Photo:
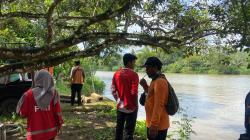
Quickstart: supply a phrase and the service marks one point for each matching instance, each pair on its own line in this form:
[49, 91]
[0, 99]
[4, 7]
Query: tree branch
[105, 16]
[22, 15]
[24, 66]
[49, 21]
[36, 53]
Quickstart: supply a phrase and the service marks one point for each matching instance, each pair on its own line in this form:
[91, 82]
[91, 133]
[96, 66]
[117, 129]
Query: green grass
[63, 88]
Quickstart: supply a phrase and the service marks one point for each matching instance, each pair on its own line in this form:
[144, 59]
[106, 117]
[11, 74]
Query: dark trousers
[130, 119]
[76, 88]
[162, 134]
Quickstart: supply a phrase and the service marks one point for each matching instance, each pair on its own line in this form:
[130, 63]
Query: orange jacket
[77, 75]
[156, 114]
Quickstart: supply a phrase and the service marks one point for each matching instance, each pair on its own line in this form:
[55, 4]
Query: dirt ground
[91, 121]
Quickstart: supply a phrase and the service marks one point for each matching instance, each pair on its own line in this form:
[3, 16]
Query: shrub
[93, 84]
[88, 87]
[231, 70]
[141, 129]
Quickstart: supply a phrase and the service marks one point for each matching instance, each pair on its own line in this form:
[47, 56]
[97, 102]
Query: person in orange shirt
[77, 77]
[157, 118]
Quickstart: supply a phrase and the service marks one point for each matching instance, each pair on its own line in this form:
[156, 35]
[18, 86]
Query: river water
[214, 102]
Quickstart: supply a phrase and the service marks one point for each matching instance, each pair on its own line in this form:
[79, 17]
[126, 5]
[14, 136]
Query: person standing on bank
[125, 91]
[77, 77]
[157, 118]
[41, 106]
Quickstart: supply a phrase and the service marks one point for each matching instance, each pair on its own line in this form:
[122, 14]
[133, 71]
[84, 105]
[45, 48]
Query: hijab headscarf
[44, 88]
[43, 91]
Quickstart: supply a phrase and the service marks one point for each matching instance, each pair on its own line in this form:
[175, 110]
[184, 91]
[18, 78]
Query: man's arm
[135, 82]
[144, 85]
[113, 88]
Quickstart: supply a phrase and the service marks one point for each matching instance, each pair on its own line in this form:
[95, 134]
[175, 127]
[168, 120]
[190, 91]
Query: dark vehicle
[11, 92]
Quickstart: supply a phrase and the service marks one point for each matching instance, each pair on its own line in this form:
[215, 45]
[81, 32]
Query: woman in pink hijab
[41, 106]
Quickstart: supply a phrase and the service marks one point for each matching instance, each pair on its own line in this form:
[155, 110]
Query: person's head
[44, 89]
[153, 66]
[77, 62]
[43, 79]
[129, 60]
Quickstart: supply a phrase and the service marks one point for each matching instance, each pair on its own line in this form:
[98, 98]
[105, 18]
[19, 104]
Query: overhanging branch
[49, 21]
[52, 60]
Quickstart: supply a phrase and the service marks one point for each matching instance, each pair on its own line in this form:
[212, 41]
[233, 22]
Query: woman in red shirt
[41, 106]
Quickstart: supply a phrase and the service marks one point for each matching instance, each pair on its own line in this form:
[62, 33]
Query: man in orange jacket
[157, 118]
[77, 77]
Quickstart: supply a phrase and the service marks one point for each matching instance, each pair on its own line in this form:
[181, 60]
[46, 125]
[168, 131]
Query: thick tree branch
[36, 53]
[49, 21]
[52, 60]
[22, 15]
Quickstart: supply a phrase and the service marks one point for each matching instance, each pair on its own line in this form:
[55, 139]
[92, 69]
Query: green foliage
[175, 67]
[215, 61]
[93, 84]
[110, 62]
[183, 127]
[231, 70]
[10, 118]
[63, 87]
[104, 134]
[109, 113]
[141, 129]
[205, 60]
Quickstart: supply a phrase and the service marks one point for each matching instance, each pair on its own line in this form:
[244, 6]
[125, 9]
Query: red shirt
[41, 124]
[125, 87]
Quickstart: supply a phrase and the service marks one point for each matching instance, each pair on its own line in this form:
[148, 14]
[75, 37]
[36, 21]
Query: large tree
[41, 33]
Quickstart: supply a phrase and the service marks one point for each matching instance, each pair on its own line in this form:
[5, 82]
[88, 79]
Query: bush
[93, 84]
[175, 68]
[115, 68]
[244, 71]
[186, 70]
[63, 87]
[213, 71]
[141, 129]
[184, 127]
[98, 87]
[231, 70]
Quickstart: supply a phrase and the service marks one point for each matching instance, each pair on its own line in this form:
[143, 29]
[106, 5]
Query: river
[214, 102]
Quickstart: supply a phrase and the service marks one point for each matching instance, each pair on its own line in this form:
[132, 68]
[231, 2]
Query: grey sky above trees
[39, 33]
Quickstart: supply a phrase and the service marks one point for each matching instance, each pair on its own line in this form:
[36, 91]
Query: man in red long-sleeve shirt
[125, 91]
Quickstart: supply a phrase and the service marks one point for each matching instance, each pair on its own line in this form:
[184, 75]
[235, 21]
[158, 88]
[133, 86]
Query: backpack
[172, 105]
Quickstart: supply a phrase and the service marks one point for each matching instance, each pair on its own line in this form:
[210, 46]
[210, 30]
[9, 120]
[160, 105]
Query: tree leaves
[53, 28]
